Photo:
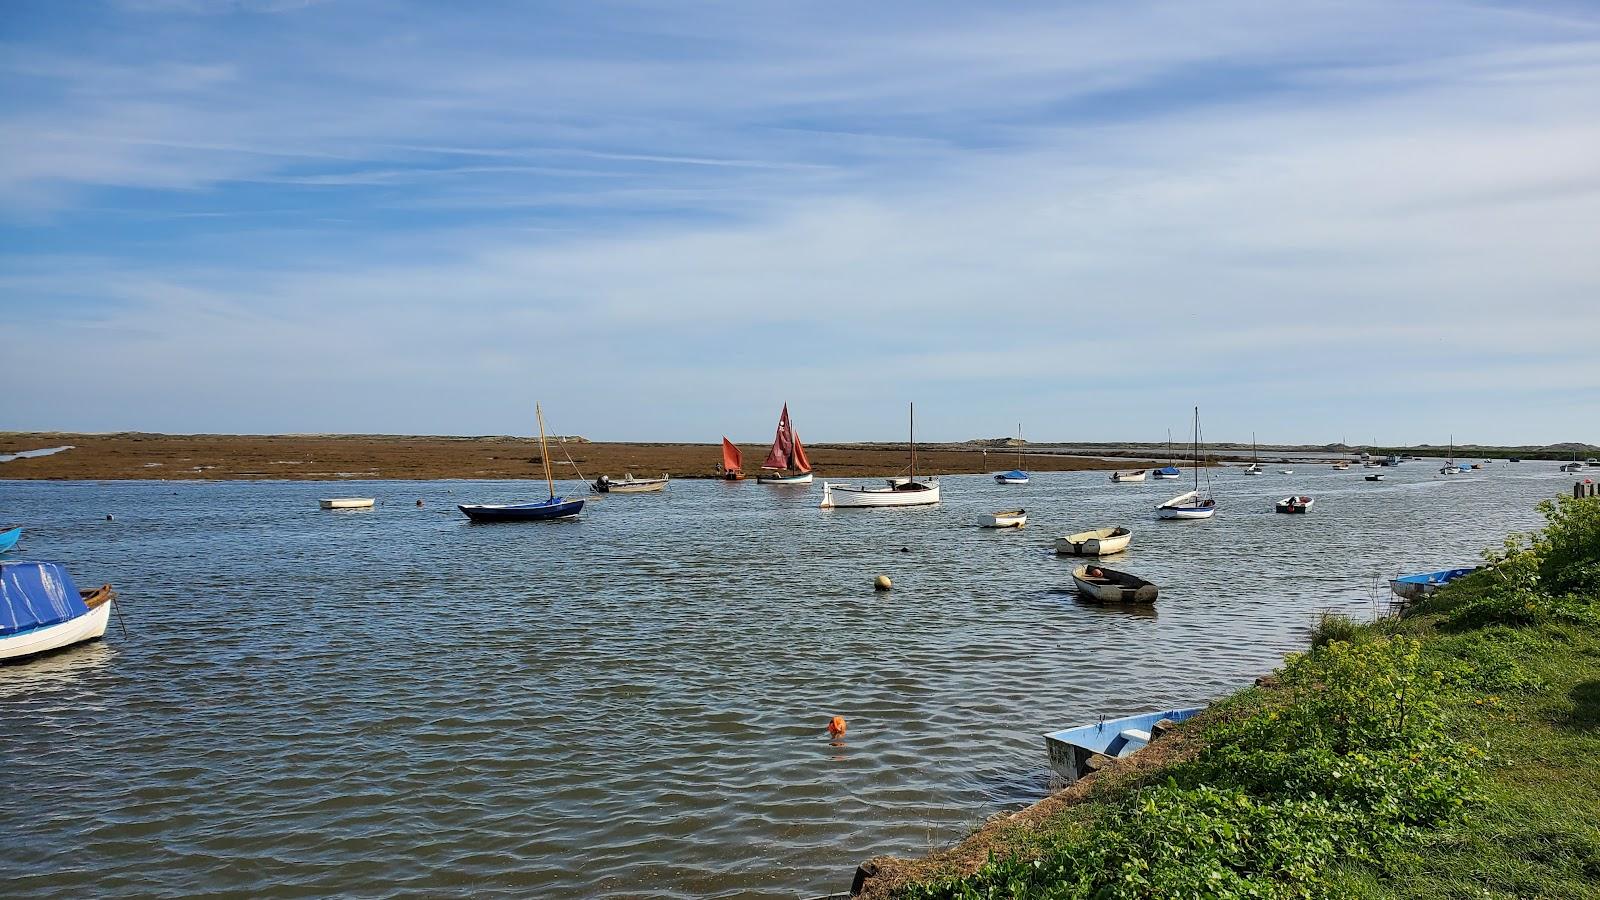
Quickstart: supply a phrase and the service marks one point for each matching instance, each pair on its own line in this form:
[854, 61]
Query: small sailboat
[9, 535]
[346, 503]
[1255, 464]
[1294, 505]
[787, 460]
[628, 484]
[42, 610]
[1126, 475]
[553, 508]
[1017, 475]
[732, 467]
[1007, 518]
[1110, 586]
[1169, 471]
[1097, 542]
[904, 491]
[1450, 467]
[1192, 504]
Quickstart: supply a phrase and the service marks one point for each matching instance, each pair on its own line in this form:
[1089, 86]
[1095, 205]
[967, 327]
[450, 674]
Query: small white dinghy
[628, 484]
[1299, 504]
[1006, 518]
[1120, 476]
[1098, 542]
[42, 610]
[1109, 586]
[346, 503]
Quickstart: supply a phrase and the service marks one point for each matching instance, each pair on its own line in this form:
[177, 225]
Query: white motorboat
[902, 491]
[1098, 542]
[1126, 475]
[346, 503]
[1006, 518]
[628, 484]
[42, 610]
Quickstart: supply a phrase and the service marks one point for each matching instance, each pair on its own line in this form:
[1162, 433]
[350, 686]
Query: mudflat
[338, 457]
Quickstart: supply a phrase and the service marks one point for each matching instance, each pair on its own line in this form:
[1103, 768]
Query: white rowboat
[1099, 542]
[631, 485]
[346, 503]
[1130, 475]
[1008, 518]
[801, 478]
[1108, 586]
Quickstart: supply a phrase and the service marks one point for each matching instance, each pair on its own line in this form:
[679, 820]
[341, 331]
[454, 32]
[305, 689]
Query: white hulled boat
[1192, 504]
[904, 491]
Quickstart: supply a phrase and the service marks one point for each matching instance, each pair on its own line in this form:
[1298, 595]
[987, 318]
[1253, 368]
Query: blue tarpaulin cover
[33, 595]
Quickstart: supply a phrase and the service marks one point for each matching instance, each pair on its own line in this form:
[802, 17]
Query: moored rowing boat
[1096, 542]
[1110, 586]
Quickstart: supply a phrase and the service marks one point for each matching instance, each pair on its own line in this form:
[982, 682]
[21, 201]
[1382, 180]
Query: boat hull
[9, 537]
[1165, 476]
[1113, 587]
[1013, 477]
[87, 627]
[1071, 749]
[1011, 518]
[522, 512]
[346, 503]
[631, 485]
[1099, 542]
[802, 478]
[1125, 477]
[836, 496]
[1424, 585]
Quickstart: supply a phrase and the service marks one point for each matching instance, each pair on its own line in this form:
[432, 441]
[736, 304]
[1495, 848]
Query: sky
[1367, 221]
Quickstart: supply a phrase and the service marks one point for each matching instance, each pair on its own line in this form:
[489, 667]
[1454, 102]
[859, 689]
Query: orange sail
[732, 461]
[786, 450]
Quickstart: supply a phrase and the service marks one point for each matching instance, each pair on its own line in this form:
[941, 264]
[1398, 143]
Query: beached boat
[9, 535]
[1169, 471]
[1096, 542]
[1110, 586]
[732, 466]
[1376, 476]
[1294, 505]
[346, 503]
[628, 484]
[1006, 518]
[41, 609]
[902, 491]
[1017, 475]
[1423, 584]
[786, 462]
[1192, 504]
[1125, 475]
[539, 511]
[1075, 752]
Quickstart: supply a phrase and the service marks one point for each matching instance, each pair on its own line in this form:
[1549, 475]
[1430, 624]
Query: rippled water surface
[394, 701]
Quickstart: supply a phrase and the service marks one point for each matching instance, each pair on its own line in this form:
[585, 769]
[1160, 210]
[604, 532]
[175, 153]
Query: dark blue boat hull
[558, 508]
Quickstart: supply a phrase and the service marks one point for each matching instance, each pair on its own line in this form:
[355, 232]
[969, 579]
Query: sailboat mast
[1197, 449]
[544, 451]
[1019, 446]
[913, 442]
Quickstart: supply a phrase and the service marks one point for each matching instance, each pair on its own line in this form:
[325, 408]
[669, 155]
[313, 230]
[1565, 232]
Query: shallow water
[394, 700]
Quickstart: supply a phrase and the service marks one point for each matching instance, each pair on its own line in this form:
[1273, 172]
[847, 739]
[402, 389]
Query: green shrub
[1334, 627]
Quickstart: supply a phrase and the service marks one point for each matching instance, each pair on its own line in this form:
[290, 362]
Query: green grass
[1453, 753]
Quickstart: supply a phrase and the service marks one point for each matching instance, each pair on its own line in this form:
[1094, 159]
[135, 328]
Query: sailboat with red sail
[787, 461]
[732, 468]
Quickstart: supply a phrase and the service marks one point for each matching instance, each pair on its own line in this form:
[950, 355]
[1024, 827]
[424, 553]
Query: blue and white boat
[41, 609]
[537, 511]
[1169, 471]
[1015, 476]
[1424, 584]
[1072, 749]
[9, 535]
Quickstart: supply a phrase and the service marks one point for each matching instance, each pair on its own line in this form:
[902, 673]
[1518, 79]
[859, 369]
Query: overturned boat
[41, 609]
[1096, 542]
[1075, 752]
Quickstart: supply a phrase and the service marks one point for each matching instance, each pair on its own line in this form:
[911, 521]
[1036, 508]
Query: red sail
[731, 460]
[786, 450]
[797, 456]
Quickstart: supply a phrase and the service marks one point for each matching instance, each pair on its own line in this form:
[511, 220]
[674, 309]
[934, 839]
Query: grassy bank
[1453, 752]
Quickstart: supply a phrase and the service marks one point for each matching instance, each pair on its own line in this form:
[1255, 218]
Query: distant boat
[1098, 542]
[1376, 476]
[1007, 518]
[786, 461]
[1074, 752]
[1286, 471]
[543, 510]
[9, 535]
[1017, 475]
[1341, 465]
[1192, 504]
[1391, 460]
[1425, 584]
[1170, 470]
[1294, 505]
[732, 467]
[1572, 467]
[1514, 459]
[1109, 586]
[1255, 464]
[346, 503]
[904, 491]
[41, 609]
[1450, 467]
[628, 484]
[1126, 475]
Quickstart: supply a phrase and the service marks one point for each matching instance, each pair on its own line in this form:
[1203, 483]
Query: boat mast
[544, 451]
[913, 443]
[1197, 449]
[1019, 446]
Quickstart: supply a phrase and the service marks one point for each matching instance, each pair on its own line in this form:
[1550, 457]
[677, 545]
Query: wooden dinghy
[346, 502]
[42, 610]
[1103, 585]
[1294, 505]
[1097, 542]
[628, 484]
[1127, 475]
[1007, 518]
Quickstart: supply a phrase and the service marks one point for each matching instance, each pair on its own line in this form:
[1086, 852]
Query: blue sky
[1371, 220]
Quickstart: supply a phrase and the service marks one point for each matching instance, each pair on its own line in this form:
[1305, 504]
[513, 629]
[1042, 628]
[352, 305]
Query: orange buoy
[836, 727]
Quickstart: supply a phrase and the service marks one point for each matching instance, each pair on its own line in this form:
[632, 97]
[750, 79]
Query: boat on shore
[1128, 475]
[1075, 752]
[628, 484]
[1293, 505]
[732, 466]
[1425, 584]
[9, 535]
[901, 491]
[1095, 542]
[1102, 585]
[536, 511]
[786, 461]
[346, 503]
[1017, 475]
[1007, 518]
[41, 609]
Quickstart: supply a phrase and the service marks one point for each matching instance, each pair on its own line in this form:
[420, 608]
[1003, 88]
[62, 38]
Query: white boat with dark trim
[1017, 475]
[1192, 504]
[628, 484]
[902, 491]
[1170, 471]
[41, 609]
[1006, 518]
[1110, 586]
[346, 502]
[1301, 504]
[1097, 542]
[1125, 475]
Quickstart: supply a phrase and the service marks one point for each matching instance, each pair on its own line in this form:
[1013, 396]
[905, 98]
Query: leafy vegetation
[1455, 753]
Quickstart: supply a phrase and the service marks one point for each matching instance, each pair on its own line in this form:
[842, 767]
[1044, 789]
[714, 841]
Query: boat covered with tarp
[41, 609]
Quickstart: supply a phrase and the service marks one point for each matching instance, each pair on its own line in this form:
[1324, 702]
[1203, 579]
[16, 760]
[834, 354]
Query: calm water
[395, 701]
